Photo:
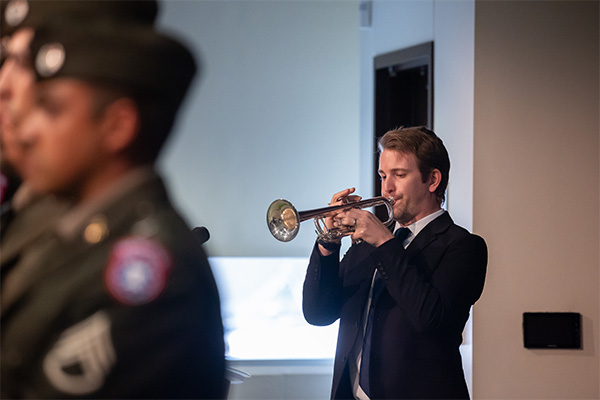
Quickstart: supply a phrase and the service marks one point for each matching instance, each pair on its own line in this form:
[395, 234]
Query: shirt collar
[418, 226]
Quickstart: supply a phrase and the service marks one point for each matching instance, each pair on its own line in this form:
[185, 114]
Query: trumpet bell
[283, 220]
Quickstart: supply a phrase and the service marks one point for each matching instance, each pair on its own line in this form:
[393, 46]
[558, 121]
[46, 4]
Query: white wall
[453, 113]
[536, 193]
[275, 115]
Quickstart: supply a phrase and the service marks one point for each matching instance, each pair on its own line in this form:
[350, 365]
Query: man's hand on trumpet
[340, 198]
[367, 227]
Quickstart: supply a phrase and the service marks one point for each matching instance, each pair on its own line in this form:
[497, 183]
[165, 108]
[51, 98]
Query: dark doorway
[403, 95]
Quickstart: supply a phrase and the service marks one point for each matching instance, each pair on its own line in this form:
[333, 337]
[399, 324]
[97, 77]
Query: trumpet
[284, 220]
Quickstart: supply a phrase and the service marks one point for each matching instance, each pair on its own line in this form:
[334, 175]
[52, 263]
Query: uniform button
[97, 230]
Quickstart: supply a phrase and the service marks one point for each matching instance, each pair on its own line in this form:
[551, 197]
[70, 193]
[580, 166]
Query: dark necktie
[378, 286]
[402, 233]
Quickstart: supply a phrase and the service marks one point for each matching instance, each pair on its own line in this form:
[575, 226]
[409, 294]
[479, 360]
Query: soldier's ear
[120, 124]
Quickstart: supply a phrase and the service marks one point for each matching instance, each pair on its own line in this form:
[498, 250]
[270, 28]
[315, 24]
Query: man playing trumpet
[402, 298]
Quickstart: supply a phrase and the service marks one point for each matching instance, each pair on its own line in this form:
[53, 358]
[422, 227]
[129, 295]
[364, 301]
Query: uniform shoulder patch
[137, 270]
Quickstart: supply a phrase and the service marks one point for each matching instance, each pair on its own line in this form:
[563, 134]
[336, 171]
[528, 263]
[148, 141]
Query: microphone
[201, 234]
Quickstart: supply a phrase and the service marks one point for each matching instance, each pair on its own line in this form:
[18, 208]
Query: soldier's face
[63, 139]
[17, 80]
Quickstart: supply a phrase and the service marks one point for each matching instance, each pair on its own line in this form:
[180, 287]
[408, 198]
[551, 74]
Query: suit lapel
[428, 235]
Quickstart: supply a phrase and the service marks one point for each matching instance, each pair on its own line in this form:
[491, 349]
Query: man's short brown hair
[427, 147]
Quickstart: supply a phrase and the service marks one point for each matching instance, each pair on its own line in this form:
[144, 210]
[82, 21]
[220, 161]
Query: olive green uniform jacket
[118, 301]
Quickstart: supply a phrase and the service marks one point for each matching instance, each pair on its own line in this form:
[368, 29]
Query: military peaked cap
[133, 59]
[17, 14]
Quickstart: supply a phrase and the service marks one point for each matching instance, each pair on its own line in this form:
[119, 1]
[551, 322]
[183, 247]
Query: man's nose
[387, 187]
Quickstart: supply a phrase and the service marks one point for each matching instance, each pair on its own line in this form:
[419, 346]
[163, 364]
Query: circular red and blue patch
[137, 270]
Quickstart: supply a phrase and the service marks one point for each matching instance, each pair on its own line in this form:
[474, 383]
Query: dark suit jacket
[419, 317]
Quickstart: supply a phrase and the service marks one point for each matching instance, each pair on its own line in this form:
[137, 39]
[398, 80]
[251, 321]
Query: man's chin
[403, 218]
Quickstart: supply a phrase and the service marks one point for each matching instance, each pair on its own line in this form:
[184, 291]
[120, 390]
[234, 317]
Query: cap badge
[16, 12]
[137, 270]
[50, 59]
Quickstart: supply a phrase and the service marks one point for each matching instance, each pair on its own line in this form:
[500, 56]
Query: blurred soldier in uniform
[24, 214]
[118, 299]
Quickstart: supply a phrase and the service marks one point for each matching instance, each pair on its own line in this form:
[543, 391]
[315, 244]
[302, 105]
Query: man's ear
[121, 124]
[435, 178]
